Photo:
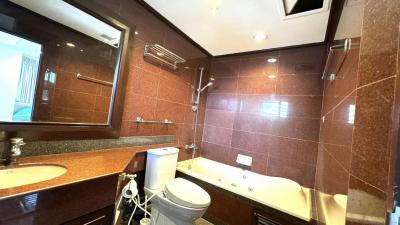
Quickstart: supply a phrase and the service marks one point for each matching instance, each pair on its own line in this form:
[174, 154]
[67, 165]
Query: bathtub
[279, 193]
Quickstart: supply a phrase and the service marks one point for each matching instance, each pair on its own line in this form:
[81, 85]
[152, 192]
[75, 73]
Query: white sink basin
[29, 174]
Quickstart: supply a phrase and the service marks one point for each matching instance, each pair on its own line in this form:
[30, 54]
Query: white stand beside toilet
[177, 201]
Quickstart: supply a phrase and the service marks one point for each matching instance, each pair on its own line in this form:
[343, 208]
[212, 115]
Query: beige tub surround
[279, 193]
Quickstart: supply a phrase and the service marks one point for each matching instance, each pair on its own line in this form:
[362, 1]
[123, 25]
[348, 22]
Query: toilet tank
[160, 167]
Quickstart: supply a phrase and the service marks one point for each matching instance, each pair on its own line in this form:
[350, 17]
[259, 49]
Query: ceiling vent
[293, 7]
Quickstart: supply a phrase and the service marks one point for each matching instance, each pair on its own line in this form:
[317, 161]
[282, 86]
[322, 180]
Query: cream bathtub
[278, 193]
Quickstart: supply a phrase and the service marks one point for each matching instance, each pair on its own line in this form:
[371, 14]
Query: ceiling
[70, 16]
[221, 27]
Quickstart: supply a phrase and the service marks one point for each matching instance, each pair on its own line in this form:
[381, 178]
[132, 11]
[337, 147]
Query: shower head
[207, 85]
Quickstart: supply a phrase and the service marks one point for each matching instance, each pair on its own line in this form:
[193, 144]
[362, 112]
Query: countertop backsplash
[35, 148]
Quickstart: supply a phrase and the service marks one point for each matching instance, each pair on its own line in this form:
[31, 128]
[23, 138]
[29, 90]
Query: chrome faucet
[13, 153]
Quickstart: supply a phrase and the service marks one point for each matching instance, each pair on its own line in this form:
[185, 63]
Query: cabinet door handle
[97, 219]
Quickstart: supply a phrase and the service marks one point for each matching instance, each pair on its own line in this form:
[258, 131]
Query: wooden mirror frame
[59, 131]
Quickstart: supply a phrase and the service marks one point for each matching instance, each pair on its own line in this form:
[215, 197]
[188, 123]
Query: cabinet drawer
[101, 217]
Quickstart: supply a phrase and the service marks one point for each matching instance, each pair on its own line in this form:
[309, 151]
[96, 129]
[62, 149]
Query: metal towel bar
[94, 80]
[141, 120]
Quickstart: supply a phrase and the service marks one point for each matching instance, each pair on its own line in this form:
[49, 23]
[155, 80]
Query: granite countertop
[80, 166]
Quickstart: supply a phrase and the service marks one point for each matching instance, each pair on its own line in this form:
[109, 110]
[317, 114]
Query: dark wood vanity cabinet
[89, 202]
[99, 217]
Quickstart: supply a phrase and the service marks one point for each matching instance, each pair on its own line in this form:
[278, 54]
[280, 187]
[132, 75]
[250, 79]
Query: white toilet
[177, 201]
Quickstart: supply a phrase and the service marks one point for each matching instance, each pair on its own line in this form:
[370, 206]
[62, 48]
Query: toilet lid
[186, 193]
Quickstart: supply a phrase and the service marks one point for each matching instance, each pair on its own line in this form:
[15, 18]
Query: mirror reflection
[57, 63]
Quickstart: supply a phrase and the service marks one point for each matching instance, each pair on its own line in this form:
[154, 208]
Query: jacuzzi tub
[276, 192]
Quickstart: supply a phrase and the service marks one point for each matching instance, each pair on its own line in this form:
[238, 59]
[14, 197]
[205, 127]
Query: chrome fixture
[163, 56]
[343, 49]
[141, 120]
[195, 109]
[94, 80]
[13, 153]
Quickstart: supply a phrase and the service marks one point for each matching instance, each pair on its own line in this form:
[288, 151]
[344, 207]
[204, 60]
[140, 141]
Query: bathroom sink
[29, 174]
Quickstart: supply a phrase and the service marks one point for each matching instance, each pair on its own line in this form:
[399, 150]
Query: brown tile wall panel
[377, 113]
[276, 121]
[154, 92]
[359, 151]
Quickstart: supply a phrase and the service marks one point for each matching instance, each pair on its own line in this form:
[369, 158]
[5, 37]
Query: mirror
[58, 63]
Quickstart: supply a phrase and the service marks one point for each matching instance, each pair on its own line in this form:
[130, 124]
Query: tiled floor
[202, 221]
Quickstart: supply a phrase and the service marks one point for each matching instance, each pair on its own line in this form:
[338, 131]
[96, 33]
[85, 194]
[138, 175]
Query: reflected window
[19, 65]
[29, 202]
[352, 114]
[275, 108]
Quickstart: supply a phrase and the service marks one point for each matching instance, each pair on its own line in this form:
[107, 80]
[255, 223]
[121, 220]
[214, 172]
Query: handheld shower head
[207, 85]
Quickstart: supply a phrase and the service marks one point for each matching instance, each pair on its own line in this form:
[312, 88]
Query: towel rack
[346, 46]
[163, 56]
[94, 80]
[141, 120]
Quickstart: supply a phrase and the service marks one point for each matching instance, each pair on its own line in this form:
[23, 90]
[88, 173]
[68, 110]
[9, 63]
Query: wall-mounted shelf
[141, 120]
[336, 57]
[163, 56]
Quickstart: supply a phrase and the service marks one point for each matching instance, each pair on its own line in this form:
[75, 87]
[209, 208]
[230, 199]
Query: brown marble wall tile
[300, 84]
[222, 101]
[270, 119]
[217, 135]
[219, 118]
[380, 25]
[215, 152]
[370, 165]
[256, 67]
[374, 114]
[154, 92]
[225, 67]
[366, 204]
[301, 172]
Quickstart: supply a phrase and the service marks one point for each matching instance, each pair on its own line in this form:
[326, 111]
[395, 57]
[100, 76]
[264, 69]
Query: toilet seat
[186, 193]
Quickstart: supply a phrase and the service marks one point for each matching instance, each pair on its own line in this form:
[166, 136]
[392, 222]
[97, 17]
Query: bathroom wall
[154, 92]
[276, 121]
[377, 114]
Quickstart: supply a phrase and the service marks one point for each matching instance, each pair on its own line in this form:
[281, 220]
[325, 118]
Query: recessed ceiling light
[272, 60]
[81, 50]
[260, 37]
[69, 44]
[136, 33]
[272, 76]
[58, 45]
